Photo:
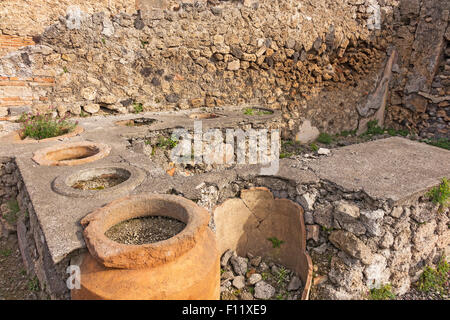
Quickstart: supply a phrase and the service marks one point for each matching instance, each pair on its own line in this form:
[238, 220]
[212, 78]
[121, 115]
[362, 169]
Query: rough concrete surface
[393, 168]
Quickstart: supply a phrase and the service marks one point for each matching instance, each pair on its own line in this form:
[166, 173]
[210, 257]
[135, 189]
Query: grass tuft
[436, 280]
[440, 195]
[44, 126]
[382, 293]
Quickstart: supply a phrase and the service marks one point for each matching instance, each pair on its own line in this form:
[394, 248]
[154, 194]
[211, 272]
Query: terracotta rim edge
[137, 176]
[14, 137]
[40, 156]
[116, 255]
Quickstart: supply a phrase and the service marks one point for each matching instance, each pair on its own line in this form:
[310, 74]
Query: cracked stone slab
[246, 225]
[394, 169]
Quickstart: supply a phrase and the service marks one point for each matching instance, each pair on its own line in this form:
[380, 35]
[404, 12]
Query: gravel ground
[145, 230]
[99, 183]
[414, 294]
[15, 284]
[252, 278]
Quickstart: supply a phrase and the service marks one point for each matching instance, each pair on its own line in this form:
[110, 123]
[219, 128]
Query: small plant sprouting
[103, 40]
[33, 284]
[440, 195]
[436, 280]
[138, 107]
[373, 128]
[65, 69]
[13, 206]
[5, 252]
[11, 216]
[143, 44]
[327, 230]
[346, 133]
[382, 293]
[169, 143]
[394, 132]
[286, 155]
[252, 112]
[325, 138]
[314, 147]
[281, 296]
[276, 243]
[443, 143]
[44, 126]
[83, 114]
[282, 275]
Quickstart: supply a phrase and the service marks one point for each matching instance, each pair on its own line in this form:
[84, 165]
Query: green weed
[382, 293]
[33, 284]
[138, 107]
[44, 126]
[314, 147]
[440, 195]
[325, 138]
[435, 280]
[276, 243]
[5, 252]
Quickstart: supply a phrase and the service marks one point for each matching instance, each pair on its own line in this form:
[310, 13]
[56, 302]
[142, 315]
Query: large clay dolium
[184, 267]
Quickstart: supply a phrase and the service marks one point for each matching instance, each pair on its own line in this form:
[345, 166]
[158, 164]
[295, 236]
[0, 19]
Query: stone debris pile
[251, 277]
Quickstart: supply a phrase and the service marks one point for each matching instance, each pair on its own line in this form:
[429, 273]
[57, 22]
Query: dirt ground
[15, 284]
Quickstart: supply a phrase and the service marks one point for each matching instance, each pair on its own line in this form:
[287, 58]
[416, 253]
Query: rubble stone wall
[420, 91]
[35, 254]
[309, 59]
[8, 180]
[189, 54]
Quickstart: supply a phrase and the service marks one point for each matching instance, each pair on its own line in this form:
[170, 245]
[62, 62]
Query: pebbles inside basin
[137, 122]
[145, 230]
[101, 182]
[256, 278]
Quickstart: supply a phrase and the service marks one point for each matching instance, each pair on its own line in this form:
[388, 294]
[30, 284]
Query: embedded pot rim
[14, 137]
[123, 123]
[123, 256]
[204, 115]
[41, 156]
[136, 177]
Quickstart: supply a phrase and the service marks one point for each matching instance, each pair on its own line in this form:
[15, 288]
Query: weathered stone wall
[35, 255]
[420, 93]
[27, 18]
[211, 53]
[8, 180]
[309, 59]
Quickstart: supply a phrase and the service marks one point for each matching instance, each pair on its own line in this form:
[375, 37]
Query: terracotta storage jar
[184, 267]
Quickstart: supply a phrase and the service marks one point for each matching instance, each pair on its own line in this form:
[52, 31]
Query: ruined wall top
[31, 17]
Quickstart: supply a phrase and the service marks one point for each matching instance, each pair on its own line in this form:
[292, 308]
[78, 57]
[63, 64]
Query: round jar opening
[136, 122]
[145, 230]
[203, 116]
[99, 179]
[72, 153]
